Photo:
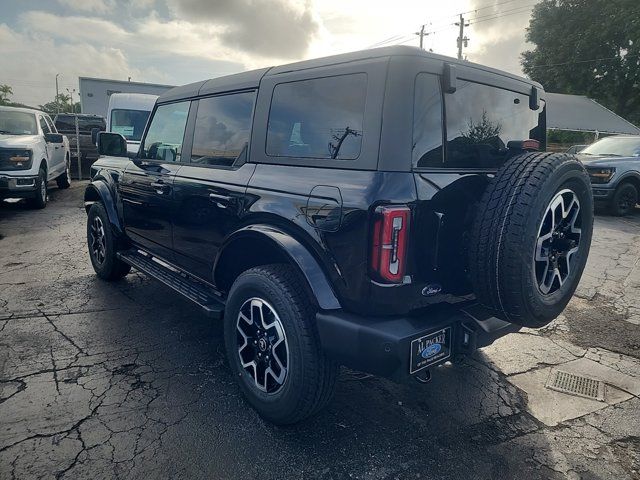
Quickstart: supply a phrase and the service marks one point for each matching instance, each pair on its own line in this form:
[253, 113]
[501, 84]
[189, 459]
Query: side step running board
[188, 286]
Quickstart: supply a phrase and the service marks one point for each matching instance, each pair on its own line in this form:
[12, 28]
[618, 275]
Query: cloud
[40, 58]
[97, 6]
[498, 36]
[272, 28]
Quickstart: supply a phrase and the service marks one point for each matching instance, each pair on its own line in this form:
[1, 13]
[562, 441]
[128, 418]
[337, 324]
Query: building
[578, 113]
[95, 92]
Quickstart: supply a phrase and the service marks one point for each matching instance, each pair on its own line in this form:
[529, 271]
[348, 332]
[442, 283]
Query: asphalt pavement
[129, 380]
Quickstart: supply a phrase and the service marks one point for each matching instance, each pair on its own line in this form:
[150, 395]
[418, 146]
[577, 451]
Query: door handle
[222, 201]
[161, 187]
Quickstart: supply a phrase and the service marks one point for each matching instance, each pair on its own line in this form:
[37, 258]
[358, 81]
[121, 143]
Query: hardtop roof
[251, 79]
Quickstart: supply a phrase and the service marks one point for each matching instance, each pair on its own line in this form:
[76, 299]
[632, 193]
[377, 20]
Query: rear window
[129, 123]
[67, 123]
[480, 122]
[319, 118]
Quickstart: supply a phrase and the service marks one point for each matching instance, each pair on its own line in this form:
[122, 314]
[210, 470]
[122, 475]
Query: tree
[588, 47]
[482, 131]
[61, 103]
[5, 92]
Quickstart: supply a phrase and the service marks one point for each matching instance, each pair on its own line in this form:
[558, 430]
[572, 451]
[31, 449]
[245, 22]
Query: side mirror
[449, 78]
[111, 144]
[534, 99]
[94, 135]
[53, 137]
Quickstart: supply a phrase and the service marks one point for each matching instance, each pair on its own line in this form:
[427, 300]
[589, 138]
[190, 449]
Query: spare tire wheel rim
[558, 241]
[263, 350]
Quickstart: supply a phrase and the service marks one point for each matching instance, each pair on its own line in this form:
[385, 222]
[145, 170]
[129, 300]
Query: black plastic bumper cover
[382, 346]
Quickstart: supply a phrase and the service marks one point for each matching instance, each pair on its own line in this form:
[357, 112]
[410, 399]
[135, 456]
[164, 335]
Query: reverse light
[389, 243]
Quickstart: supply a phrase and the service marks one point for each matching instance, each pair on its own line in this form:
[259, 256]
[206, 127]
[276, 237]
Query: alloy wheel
[98, 241]
[558, 241]
[262, 345]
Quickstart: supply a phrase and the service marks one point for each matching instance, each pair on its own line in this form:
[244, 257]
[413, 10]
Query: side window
[52, 127]
[166, 132]
[427, 122]
[43, 124]
[222, 129]
[319, 118]
[482, 120]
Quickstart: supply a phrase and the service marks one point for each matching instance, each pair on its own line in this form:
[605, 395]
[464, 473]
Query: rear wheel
[531, 237]
[624, 200]
[40, 199]
[103, 245]
[273, 346]
[64, 180]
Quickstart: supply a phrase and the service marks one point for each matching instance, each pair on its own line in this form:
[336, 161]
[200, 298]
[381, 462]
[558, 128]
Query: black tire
[310, 376]
[510, 226]
[106, 264]
[624, 200]
[64, 180]
[39, 201]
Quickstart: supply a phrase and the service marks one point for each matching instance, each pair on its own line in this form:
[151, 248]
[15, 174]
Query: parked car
[613, 164]
[32, 153]
[66, 123]
[386, 210]
[128, 114]
[572, 150]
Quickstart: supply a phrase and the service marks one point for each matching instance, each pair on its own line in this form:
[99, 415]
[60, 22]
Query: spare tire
[531, 237]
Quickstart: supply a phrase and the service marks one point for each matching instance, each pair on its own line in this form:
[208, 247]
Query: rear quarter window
[319, 118]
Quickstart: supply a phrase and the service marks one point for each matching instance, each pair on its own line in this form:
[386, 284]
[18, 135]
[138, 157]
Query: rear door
[147, 184]
[55, 151]
[209, 191]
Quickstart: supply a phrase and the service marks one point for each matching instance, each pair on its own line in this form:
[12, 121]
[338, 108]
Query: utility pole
[461, 38]
[57, 93]
[421, 34]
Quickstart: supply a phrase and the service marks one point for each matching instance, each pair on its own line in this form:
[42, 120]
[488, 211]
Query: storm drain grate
[576, 385]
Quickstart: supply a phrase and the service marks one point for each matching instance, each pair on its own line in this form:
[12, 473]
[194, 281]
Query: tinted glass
[482, 120]
[18, 123]
[615, 147]
[43, 124]
[320, 118]
[67, 123]
[166, 132]
[222, 129]
[427, 121]
[129, 123]
[50, 124]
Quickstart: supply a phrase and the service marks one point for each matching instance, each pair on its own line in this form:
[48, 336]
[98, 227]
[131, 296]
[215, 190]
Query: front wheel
[40, 199]
[64, 180]
[103, 245]
[273, 346]
[624, 200]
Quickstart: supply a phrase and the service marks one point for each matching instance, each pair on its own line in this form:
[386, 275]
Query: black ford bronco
[388, 210]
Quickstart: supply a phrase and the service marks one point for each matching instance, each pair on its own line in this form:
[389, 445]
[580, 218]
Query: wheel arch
[98, 191]
[633, 178]
[256, 245]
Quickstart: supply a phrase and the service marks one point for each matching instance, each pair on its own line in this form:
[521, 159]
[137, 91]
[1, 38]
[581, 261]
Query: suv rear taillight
[389, 243]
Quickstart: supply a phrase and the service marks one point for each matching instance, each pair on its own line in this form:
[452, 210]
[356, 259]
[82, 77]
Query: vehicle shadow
[162, 370]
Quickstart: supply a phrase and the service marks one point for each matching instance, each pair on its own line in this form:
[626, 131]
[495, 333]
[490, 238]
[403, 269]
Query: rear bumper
[17, 186]
[383, 346]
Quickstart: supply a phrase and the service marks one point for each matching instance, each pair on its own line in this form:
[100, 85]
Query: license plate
[430, 349]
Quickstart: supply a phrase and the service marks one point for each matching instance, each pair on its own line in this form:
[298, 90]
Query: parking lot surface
[129, 380]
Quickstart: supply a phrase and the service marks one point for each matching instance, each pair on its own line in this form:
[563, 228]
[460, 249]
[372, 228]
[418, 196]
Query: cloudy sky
[180, 41]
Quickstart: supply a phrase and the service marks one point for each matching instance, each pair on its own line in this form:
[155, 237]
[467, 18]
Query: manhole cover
[576, 385]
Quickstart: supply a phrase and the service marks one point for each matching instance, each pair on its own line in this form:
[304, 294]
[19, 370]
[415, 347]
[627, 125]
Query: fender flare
[102, 190]
[296, 252]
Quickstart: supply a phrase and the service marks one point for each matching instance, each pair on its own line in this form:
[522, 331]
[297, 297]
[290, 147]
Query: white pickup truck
[32, 153]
